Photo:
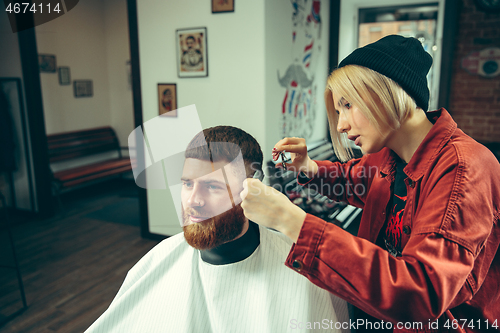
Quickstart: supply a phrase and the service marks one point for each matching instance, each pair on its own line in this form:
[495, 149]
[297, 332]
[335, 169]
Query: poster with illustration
[167, 99]
[192, 54]
[299, 104]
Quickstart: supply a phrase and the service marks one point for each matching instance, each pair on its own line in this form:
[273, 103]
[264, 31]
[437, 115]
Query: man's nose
[196, 197]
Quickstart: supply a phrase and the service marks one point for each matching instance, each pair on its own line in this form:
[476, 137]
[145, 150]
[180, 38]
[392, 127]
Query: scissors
[260, 175]
[284, 159]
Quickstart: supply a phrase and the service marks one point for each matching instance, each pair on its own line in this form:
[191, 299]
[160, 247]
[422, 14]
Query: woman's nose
[342, 125]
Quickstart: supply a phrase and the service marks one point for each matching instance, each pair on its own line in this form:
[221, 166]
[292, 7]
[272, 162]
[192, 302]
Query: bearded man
[224, 273]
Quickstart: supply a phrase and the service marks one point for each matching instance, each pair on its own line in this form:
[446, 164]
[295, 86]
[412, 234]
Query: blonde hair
[381, 100]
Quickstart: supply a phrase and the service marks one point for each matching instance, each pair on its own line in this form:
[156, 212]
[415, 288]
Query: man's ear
[258, 175]
[255, 171]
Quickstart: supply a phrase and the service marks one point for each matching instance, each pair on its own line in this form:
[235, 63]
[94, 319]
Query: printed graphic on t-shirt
[394, 228]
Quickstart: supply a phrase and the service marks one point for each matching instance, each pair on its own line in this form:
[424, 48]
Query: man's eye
[187, 184]
[213, 187]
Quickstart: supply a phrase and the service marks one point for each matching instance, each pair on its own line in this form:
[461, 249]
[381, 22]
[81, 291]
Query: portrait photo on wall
[192, 56]
[83, 88]
[64, 76]
[47, 63]
[167, 99]
[222, 6]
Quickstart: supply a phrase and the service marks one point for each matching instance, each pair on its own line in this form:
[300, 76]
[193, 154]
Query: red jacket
[450, 266]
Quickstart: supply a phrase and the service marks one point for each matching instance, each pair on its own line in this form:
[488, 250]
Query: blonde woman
[427, 243]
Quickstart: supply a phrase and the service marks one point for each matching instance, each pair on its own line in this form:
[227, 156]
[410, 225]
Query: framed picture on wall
[47, 63]
[83, 88]
[64, 76]
[222, 6]
[167, 99]
[192, 56]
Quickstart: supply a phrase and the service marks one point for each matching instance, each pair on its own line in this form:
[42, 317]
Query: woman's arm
[418, 286]
[451, 216]
[346, 182]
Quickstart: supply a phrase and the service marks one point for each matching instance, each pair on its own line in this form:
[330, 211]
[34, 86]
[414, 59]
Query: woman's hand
[300, 160]
[268, 207]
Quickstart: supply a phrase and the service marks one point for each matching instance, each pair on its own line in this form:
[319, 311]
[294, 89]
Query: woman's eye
[347, 105]
[338, 112]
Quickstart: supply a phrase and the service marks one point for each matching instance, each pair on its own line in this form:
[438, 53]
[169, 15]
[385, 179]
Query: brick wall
[475, 100]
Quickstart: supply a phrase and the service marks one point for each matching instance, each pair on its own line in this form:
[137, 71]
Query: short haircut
[379, 98]
[200, 147]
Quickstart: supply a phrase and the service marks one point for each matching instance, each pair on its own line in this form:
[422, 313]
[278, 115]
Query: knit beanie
[402, 59]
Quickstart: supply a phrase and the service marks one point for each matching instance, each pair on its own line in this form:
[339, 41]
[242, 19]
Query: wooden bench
[70, 146]
[339, 213]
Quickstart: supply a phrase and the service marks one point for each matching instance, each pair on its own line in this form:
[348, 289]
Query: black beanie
[403, 59]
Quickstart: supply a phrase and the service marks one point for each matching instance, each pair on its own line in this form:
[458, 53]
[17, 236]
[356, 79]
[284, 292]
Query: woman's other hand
[300, 161]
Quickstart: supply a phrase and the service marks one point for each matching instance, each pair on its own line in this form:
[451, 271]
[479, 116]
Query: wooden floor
[72, 266]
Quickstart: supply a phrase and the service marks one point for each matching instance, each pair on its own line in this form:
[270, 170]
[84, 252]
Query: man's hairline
[233, 169]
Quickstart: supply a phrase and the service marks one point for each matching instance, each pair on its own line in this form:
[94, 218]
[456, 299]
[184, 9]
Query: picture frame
[222, 6]
[167, 99]
[47, 63]
[192, 52]
[83, 88]
[64, 76]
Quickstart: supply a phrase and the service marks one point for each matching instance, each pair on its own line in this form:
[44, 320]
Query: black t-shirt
[394, 225]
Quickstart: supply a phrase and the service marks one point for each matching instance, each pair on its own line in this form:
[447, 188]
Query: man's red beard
[215, 231]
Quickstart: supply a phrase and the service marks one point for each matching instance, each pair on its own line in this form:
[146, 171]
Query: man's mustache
[200, 212]
[195, 212]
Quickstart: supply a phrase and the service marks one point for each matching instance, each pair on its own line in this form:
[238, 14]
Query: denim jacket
[449, 268]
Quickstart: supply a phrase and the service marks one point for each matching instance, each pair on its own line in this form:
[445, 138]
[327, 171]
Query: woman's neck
[405, 141]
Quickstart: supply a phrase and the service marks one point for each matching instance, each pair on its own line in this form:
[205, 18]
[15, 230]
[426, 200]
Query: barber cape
[171, 289]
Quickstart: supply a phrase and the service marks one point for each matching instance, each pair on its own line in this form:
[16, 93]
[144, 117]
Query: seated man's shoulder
[172, 243]
[279, 240]
[168, 248]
